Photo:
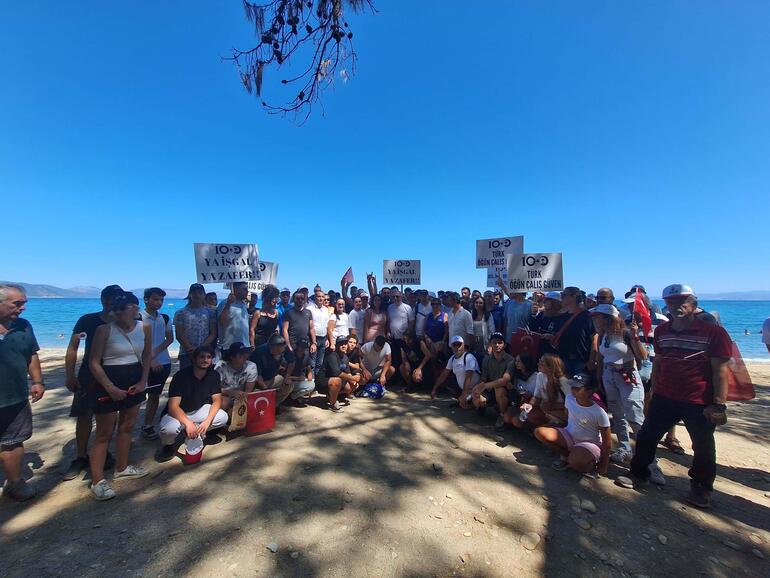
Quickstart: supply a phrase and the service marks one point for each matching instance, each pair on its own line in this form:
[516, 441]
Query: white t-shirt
[541, 389]
[420, 315]
[237, 329]
[531, 384]
[232, 379]
[341, 325]
[460, 323]
[356, 321]
[399, 317]
[320, 319]
[583, 423]
[159, 327]
[372, 358]
[459, 365]
[766, 331]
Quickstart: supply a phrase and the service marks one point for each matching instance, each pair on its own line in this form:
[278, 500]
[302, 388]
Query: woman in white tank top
[120, 363]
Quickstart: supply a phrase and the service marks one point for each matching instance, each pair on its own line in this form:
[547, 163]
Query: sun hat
[678, 290]
[605, 309]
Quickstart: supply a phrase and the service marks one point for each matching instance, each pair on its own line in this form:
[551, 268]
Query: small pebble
[449, 496]
[582, 523]
[758, 553]
[646, 536]
[530, 540]
[273, 547]
[294, 555]
[588, 506]
[731, 544]
[662, 539]
[467, 534]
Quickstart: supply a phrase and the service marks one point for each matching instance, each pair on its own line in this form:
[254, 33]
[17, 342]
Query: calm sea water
[53, 320]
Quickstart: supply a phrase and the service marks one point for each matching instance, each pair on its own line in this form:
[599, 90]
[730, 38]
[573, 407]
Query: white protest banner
[492, 252]
[269, 275]
[494, 272]
[535, 272]
[401, 272]
[226, 262]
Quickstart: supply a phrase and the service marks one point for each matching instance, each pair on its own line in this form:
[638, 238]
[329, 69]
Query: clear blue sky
[634, 138]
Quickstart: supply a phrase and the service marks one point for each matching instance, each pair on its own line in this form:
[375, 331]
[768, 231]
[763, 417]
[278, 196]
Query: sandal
[674, 446]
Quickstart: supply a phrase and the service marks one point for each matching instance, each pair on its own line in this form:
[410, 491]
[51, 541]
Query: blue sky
[634, 138]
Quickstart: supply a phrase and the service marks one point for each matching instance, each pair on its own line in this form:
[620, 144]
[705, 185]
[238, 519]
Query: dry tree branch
[293, 30]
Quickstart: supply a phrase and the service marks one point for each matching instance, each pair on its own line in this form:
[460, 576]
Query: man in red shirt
[690, 384]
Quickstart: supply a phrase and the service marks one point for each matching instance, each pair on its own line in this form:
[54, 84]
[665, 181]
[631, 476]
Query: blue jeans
[302, 388]
[626, 403]
[317, 358]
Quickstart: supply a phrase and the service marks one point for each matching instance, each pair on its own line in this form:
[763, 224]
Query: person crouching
[194, 407]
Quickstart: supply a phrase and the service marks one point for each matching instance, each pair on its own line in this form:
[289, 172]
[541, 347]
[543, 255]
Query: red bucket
[260, 411]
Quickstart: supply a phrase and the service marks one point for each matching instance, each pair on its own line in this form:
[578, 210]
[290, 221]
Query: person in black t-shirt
[549, 321]
[194, 404]
[336, 374]
[574, 340]
[300, 377]
[297, 322]
[275, 361]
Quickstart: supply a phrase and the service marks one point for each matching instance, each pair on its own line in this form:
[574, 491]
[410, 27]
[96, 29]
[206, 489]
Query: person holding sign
[517, 311]
[233, 315]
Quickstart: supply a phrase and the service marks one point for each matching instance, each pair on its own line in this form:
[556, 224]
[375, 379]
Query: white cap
[363, 293]
[456, 339]
[285, 290]
[631, 298]
[606, 309]
[678, 290]
[555, 295]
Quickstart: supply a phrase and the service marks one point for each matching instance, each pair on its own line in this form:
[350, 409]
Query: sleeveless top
[265, 328]
[124, 348]
[376, 325]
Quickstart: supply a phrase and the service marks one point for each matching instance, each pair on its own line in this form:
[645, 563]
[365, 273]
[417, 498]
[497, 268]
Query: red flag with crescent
[640, 307]
[260, 411]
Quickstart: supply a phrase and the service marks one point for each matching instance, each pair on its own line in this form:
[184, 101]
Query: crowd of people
[570, 368]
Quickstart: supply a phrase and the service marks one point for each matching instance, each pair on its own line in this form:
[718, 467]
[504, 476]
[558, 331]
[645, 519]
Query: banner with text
[218, 262]
[535, 272]
[493, 252]
[494, 272]
[269, 275]
[401, 272]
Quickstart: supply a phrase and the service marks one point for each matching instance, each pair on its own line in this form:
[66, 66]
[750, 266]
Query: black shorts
[157, 379]
[395, 352]
[15, 424]
[123, 376]
[81, 401]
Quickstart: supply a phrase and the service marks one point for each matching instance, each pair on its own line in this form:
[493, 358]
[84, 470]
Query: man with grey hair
[18, 357]
[690, 384]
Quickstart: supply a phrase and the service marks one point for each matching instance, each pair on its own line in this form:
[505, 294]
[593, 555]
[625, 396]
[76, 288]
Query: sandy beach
[398, 487]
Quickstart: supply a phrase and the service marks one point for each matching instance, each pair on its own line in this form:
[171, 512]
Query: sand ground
[398, 487]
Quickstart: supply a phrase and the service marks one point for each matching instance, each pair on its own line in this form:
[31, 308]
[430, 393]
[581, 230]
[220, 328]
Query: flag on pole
[347, 278]
[640, 307]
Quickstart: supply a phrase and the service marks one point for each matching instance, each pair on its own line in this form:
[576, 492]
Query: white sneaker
[102, 491]
[656, 474]
[130, 472]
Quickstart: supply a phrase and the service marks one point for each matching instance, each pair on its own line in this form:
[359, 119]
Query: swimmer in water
[746, 332]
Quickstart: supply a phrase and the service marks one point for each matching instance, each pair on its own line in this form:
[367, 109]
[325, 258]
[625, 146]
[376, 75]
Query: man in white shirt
[421, 312]
[233, 317]
[162, 337]
[356, 319]
[376, 361]
[400, 322]
[323, 336]
[465, 368]
[460, 320]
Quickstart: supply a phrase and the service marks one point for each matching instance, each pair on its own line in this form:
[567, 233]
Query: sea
[53, 320]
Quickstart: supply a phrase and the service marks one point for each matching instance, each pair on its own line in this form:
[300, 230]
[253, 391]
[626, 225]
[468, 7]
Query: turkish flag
[260, 411]
[347, 278]
[739, 384]
[640, 307]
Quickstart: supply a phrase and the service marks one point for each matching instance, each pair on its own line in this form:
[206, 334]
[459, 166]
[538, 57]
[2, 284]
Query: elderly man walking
[18, 357]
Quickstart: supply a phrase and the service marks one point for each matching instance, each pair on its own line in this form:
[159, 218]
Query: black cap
[236, 348]
[275, 340]
[111, 291]
[497, 335]
[195, 287]
[123, 300]
[341, 340]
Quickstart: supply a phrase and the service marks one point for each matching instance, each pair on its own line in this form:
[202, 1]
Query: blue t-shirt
[434, 326]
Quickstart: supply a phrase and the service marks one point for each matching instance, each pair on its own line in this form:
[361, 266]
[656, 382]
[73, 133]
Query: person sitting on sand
[238, 374]
[584, 445]
[547, 402]
[336, 376]
[194, 406]
[466, 370]
[495, 386]
[377, 361]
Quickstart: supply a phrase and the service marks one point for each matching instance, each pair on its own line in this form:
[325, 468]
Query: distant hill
[758, 295]
[52, 292]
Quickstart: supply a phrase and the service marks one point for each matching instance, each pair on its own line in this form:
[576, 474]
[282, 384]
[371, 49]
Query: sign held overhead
[218, 262]
[535, 272]
[401, 272]
[492, 252]
[268, 273]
